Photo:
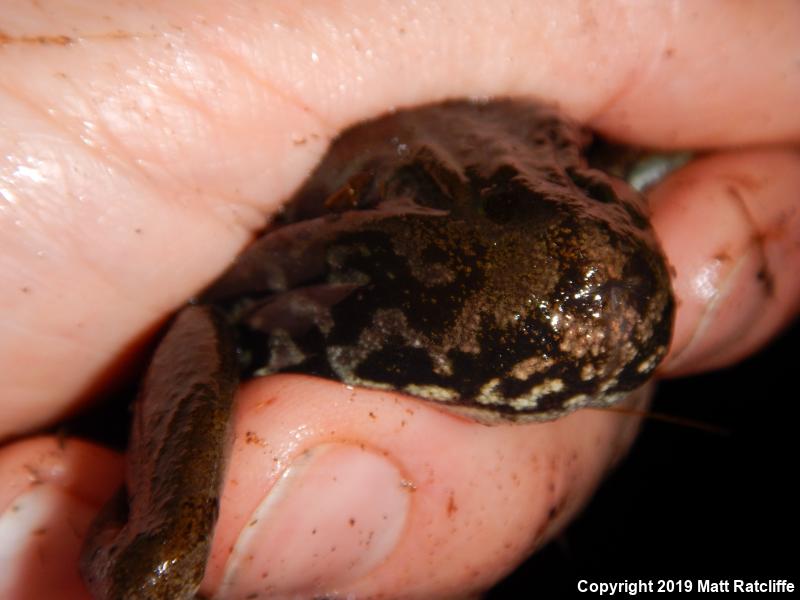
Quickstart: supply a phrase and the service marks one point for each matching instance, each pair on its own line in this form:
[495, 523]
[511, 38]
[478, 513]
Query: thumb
[359, 492]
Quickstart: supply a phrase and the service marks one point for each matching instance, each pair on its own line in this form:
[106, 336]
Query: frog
[462, 253]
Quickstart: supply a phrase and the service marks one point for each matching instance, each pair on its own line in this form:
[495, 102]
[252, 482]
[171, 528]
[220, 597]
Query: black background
[687, 503]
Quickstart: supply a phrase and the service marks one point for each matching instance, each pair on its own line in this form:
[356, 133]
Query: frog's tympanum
[462, 253]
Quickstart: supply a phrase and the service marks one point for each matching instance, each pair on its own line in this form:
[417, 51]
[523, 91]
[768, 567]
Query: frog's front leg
[153, 540]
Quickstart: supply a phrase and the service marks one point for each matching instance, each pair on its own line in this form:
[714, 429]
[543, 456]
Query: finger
[331, 489]
[364, 492]
[51, 491]
[730, 225]
[689, 87]
[194, 120]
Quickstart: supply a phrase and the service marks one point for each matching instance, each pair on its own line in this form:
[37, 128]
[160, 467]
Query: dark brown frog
[462, 253]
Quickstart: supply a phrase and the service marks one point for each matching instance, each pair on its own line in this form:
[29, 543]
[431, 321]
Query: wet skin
[462, 253]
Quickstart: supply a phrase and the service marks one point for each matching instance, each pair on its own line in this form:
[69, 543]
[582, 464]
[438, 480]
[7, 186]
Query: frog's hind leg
[152, 542]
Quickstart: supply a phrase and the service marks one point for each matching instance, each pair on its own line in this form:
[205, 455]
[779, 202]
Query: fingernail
[336, 513]
[40, 537]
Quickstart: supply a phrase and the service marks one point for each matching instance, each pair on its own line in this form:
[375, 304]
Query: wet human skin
[461, 253]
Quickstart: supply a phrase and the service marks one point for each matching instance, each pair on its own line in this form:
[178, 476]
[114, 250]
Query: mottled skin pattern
[462, 253]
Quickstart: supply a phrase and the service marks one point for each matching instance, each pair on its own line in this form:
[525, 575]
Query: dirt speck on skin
[721, 256]
[556, 509]
[452, 507]
[767, 280]
[408, 485]
[34, 477]
[673, 273]
[251, 437]
[764, 276]
[39, 40]
[266, 402]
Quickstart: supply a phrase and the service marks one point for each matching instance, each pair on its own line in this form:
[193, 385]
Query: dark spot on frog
[351, 195]
[594, 186]
[471, 259]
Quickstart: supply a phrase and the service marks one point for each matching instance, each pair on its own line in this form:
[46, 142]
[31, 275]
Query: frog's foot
[154, 544]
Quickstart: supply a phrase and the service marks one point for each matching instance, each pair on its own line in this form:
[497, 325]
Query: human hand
[246, 97]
